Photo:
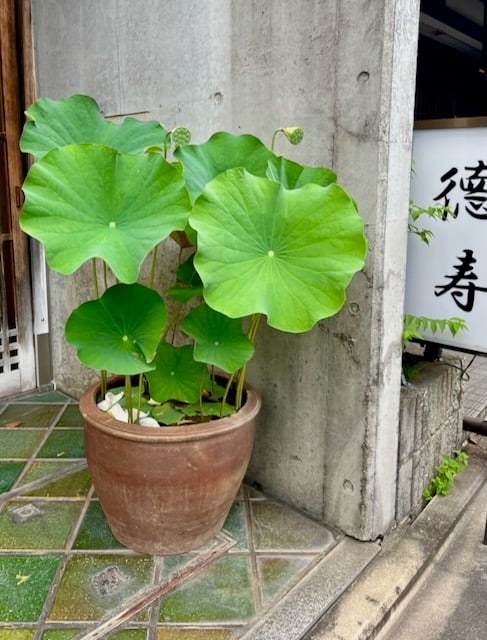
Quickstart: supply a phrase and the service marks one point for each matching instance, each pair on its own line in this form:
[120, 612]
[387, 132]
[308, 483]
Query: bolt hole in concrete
[348, 486]
[218, 97]
[354, 308]
[363, 76]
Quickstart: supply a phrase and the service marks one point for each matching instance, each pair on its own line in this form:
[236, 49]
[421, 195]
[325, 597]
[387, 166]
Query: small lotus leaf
[176, 375]
[120, 331]
[219, 340]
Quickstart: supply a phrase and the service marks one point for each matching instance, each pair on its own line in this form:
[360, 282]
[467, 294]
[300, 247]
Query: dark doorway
[452, 60]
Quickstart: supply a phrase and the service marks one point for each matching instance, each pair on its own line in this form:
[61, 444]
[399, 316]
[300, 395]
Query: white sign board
[448, 278]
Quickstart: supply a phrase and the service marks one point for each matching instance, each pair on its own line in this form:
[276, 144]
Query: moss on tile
[9, 472]
[60, 634]
[20, 443]
[67, 634]
[276, 574]
[49, 528]
[278, 527]
[194, 634]
[24, 584]
[17, 634]
[63, 443]
[86, 594]
[221, 593]
[29, 415]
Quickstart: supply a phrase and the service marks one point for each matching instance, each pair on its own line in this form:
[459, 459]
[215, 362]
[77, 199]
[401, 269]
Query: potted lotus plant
[260, 239]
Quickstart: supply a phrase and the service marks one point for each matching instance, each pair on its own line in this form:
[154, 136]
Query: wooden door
[17, 357]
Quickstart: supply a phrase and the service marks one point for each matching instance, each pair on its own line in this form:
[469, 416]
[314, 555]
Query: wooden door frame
[16, 66]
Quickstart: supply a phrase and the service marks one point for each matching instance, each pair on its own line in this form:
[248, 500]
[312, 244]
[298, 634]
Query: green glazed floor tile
[221, 593]
[76, 485]
[94, 532]
[278, 527]
[24, 585]
[276, 574]
[236, 526]
[9, 472]
[20, 443]
[71, 417]
[29, 415]
[37, 524]
[63, 443]
[17, 634]
[48, 396]
[194, 634]
[93, 585]
[60, 634]
[42, 469]
[67, 634]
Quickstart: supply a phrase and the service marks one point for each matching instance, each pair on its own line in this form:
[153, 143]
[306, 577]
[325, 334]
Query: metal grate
[9, 351]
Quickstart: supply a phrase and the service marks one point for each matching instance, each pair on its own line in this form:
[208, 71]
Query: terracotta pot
[167, 490]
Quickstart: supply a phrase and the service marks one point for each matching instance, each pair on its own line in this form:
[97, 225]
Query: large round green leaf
[120, 331]
[78, 119]
[286, 254]
[85, 201]
[202, 162]
[177, 376]
[219, 340]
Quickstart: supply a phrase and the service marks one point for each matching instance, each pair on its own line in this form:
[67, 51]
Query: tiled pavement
[64, 576]
[268, 576]
[475, 387]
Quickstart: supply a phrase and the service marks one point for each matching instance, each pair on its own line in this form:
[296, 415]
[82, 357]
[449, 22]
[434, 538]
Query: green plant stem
[225, 395]
[153, 267]
[105, 275]
[167, 139]
[173, 323]
[252, 332]
[103, 383]
[254, 325]
[128, 397]
[201, 396]
[95, 278]
[273, 141]
[103, 374]
[139, 397]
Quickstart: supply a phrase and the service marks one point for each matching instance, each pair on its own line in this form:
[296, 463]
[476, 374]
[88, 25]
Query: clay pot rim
[135, 432]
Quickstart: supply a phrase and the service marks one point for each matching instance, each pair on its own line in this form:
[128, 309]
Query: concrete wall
[345, 71]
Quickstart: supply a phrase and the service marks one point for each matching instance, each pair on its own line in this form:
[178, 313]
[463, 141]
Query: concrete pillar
[345, 71]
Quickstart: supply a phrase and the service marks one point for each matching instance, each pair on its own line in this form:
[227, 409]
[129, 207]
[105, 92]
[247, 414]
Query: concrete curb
[406, 553]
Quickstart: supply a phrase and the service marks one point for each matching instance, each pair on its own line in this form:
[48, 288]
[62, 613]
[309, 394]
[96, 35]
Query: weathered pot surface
[167, 490]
